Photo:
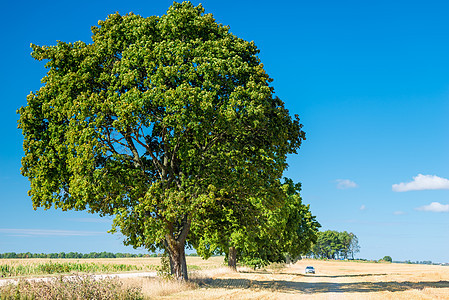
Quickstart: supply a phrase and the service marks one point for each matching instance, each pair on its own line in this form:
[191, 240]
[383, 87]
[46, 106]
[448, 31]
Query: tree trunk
[177, 257]
[232, 258]
[176, 252]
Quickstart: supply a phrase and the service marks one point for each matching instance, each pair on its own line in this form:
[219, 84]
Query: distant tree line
[387, 259]
[424, 262]
[332, 244]
[77, 255]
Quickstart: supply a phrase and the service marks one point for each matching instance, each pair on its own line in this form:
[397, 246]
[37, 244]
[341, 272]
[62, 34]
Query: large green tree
[155, 122]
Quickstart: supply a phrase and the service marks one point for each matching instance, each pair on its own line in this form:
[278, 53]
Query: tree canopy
[285, 231]
[160, 122]
[387, 258]
[334, 244]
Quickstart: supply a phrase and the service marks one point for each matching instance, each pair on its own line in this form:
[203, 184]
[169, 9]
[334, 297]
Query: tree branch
[156, 162]
[132, 147]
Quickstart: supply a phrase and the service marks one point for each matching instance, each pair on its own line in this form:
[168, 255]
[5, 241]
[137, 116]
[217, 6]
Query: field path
[289, 283]
[312, 284]
[95, 276]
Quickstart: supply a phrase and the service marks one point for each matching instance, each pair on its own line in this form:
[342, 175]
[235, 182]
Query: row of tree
[332, 244]
[73, 255]
[79, 255]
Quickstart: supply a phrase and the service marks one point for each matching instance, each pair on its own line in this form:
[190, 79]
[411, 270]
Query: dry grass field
[333, 280]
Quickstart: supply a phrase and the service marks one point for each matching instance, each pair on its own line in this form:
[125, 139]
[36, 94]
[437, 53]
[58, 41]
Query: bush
[164, 270]
[387, 258]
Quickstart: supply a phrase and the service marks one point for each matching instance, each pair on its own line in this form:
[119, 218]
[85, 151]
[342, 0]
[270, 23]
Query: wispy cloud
[47, 232]
[90, 220]
[343, 184]
[399, 213]
[422, 182]
[434, 207]
[363, 207]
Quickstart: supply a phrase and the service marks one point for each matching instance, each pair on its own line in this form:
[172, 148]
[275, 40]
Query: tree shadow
[322, 287]
[263, 272]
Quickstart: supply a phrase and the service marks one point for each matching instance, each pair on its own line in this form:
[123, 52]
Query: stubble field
[333, 280]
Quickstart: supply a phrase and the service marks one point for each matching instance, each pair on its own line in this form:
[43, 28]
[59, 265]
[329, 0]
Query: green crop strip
[7, 270]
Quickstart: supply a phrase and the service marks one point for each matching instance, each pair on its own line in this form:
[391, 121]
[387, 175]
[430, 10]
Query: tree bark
[232, 258]
[176, 252]
[177, 257]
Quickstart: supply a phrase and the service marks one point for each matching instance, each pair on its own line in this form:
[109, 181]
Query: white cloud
[363, 207]
[47, 232]
[435, 207]
[343, 184]
[422, 182]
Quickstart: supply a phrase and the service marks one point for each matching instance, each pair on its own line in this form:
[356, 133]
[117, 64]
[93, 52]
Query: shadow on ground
[322, 287]
[263, 272]
[334, 276]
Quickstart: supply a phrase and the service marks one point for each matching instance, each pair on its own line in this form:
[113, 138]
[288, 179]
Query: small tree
[387, 259]
[287, 231]
[284, 229]
[155, 122]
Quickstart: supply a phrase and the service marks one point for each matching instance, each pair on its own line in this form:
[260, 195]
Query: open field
[13, 268]
[135, 261]
[333, 280]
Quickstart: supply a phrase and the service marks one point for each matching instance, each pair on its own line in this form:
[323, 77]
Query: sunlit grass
[78, 287]
[210, 279]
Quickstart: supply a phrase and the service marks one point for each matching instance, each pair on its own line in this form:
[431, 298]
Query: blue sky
[369, 80]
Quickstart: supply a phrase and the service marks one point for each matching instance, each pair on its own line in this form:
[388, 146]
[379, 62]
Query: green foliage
[387, 258]
[253, 261]
[155, 122]
[287, 228]
[332, 244]
[8, 270]
[164, 270]
[73, 255]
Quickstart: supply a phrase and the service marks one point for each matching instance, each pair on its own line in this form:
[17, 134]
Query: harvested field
[333, 280]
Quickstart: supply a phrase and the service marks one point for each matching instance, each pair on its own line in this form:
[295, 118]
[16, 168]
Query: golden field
[333, 280]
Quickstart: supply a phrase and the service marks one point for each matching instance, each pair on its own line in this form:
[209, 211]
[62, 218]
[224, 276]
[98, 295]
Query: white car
[310, 269]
